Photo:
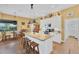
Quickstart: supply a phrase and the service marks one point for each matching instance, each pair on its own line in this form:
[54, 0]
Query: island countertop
[39, 36]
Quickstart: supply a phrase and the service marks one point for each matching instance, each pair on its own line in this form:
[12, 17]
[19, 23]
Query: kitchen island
[45, 42]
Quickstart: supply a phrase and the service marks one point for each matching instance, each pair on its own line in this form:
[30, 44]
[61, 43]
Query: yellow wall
[74, 10]
[64, 15]
[19, 20]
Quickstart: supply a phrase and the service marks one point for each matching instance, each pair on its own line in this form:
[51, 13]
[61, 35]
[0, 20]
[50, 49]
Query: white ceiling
[25, 10]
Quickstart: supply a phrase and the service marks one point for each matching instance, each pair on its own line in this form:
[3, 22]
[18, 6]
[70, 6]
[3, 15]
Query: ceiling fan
[32, 6]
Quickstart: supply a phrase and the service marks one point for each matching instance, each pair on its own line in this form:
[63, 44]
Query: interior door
[71, 28]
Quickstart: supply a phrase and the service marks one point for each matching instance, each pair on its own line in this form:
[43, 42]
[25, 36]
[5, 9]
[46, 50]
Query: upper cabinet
[46, 24]
[57, 22]
[51, 23]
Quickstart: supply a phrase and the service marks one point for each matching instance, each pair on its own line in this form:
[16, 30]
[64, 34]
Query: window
[6, 25]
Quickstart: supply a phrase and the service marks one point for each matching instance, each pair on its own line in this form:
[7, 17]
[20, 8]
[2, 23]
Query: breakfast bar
[45, 42]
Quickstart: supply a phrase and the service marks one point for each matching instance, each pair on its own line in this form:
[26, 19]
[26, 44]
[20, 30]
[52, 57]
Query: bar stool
[35, 47]
[27, 45]
[28, 41]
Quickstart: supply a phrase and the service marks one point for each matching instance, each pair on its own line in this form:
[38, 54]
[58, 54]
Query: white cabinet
[57, 37]
[55, 22]
[44, 24]
[57, 27]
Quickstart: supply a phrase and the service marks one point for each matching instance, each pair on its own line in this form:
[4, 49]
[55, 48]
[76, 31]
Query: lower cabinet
[57, 37]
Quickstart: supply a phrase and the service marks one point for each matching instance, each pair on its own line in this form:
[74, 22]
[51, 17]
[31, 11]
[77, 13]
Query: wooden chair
[0, 37]
[35, 48]
[7, 37]
[14, 35]
[3, 36]
[27, 45]
[20, 38]
[31, 47]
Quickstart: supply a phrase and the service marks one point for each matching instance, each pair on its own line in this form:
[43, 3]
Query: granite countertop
[38, 36]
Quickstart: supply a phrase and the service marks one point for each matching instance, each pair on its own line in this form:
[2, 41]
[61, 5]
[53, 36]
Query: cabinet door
[44, 25]
[57, 37]
[57, 25]
[57, 22]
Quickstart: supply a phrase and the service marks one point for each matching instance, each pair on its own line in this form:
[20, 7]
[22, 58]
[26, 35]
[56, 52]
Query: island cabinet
[45, 42]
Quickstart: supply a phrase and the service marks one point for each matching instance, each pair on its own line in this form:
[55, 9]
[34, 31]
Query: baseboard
[73, 37]
[57, 43]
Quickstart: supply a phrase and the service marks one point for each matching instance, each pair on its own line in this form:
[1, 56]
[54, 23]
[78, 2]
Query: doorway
[71, 28]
